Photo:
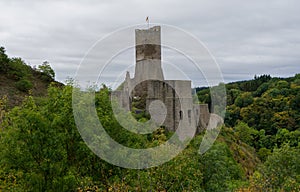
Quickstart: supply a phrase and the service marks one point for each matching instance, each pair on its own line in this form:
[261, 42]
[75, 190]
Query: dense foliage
[265, 110]
[41, 150]
[265, 114]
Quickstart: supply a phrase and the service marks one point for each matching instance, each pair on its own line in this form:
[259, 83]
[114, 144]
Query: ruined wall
[160, 90]
[177, 97]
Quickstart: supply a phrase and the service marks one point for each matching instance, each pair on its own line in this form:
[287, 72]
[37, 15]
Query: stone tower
[148, 54]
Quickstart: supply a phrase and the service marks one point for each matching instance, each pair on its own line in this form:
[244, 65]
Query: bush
[24, 85]
[18, 69]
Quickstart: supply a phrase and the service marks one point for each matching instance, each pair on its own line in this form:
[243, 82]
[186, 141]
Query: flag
[147, 19]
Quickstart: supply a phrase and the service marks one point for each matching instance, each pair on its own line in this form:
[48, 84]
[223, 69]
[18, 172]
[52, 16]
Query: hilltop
[17, 79]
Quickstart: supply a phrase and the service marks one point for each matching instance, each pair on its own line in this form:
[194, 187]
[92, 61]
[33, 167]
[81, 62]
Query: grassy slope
[15, 96]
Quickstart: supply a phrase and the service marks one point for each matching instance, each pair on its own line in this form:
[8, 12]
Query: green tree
[261, 89]
[46, 69]
[232, 95]
[244, 99]
[42, 149]
[263, 153]
[232, 115]
[4, 60]
[280, 172]
[29, 146]
[245, 133]
[220, 170]
[282, 84]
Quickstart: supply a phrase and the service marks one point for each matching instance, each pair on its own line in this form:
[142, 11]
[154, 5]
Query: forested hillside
[257, 150]
[265, 109]
[265, 114]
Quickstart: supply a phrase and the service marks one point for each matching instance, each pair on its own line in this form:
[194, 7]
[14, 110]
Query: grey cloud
[245, 37]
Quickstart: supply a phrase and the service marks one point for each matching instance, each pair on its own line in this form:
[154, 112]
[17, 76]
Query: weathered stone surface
[148, 55]
[148, 51]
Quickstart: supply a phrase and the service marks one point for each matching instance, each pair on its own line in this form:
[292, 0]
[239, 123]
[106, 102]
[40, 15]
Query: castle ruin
[172, 100]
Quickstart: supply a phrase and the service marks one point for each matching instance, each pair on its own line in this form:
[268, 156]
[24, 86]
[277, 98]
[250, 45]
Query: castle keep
[169, 102]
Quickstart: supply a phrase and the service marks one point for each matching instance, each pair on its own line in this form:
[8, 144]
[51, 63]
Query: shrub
[24, 85]
[18, 69]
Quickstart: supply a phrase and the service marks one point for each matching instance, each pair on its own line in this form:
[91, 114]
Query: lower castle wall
[177, 98]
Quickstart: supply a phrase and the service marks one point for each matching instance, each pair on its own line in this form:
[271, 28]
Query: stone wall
[177, 97]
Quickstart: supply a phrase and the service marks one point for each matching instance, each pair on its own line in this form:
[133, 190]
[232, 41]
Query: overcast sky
[245, 37]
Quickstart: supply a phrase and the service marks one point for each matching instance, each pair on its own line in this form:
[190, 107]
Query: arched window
[180, 115]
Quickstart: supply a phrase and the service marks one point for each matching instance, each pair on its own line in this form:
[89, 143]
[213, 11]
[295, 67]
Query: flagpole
[147, 20]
